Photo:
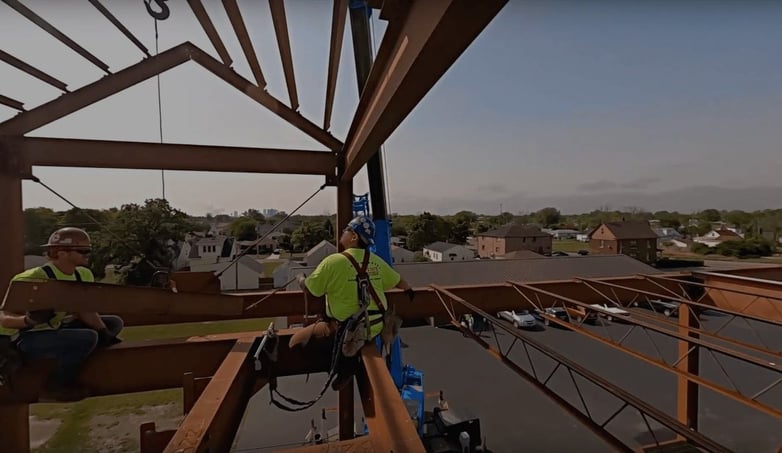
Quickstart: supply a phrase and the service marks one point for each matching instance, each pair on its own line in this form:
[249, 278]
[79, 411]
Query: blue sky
[579, 105]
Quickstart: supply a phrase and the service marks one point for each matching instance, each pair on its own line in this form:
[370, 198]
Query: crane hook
[158, 15]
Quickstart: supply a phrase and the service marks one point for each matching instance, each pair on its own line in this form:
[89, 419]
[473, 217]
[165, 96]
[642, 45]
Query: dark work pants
[114, 324]
[69, 347]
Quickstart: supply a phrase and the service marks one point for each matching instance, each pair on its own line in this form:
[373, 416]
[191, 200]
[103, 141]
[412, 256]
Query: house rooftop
[515, 231]
[441, 246]
[629, 230]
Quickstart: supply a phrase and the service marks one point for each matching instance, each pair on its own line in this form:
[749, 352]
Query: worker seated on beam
[340, 278]
[69, 338]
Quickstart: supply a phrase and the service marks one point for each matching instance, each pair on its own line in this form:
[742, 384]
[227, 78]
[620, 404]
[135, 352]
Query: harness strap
[50, 273]
[363, 270]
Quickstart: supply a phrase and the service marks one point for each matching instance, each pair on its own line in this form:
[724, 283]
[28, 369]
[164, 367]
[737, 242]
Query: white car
[615, 311]
[520, 318]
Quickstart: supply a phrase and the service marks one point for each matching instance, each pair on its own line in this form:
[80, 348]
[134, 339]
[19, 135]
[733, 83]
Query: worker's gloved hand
[106, 339]
[300, 279]
[36, 317]
[410, 293]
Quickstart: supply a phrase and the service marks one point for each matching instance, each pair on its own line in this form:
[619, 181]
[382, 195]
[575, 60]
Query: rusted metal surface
[151, 440]
[661, 363]
[335, 51]
[11, 103]
[412, 58]
[120, 26]
[573, 367]
[344, 208]
[11, 220]
[389, 423]
[346, 412]
[192, 388]
[765, 300]
[210, 30]
[31, 70]
[212, 422]
[235, 16]
[25, 296]
[15, 427]
[58, 152]
[264, 98]
[62, 37]
[96, 91]
[687, 400]
[277, 8]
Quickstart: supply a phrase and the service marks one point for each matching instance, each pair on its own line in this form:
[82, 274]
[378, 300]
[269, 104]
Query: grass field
[569, 245]
[110, 423]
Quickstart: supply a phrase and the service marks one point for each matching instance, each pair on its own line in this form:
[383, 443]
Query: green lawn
[569, 245]
[81, 422]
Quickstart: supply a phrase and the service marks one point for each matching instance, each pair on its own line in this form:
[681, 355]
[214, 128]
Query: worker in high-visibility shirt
[335, 277]
[67, 338]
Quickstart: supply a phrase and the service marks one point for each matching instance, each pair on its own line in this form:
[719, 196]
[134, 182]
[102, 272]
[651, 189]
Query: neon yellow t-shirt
[37, 274]
[335, 277]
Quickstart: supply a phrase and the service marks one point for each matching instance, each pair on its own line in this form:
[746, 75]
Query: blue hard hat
[364, 227]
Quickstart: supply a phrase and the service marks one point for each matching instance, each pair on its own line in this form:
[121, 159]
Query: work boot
[63, 394]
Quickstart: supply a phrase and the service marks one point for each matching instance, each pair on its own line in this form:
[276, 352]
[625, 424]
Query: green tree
[547, 216]
[144, 238]
[710, 215]
[244, 229]
[39, 224]
[426, 229]
[308, 235]
[255, 215]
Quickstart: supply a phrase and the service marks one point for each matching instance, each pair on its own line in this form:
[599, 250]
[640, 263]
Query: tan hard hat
[69, 237]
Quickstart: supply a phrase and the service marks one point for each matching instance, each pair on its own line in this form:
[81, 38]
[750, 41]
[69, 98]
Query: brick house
[511, 238]
[634, 239]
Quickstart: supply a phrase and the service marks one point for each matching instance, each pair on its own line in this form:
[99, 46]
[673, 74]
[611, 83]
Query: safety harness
[352, 334]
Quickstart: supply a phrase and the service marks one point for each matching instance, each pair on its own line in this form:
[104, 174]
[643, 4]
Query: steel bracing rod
[740, 277]
[12, 103]
[62, 37]
[280, 23]
[686, 301]
[723, 350]
[699, 331]
[643, 407]
[209, 28]
[335, 51]
[708, 286]
[29, 69]
[235, 16]
[683, 294]
[661, 364]
[120, 26]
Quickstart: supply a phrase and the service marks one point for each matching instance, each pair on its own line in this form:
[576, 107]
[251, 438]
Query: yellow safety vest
[56, 321]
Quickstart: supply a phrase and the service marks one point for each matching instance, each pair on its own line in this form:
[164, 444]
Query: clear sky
[575, 104]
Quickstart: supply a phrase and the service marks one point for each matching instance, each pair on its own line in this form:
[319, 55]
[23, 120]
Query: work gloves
[37, 317]
[106, 339]
[410, 293]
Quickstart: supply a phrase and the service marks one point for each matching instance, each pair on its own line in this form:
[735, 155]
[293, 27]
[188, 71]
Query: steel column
[137, 155]
[344, 208]
[347, 411]
[687, 390]
[418, 47]
[335, 51]
[277, 8]
[15, 427]
[11, 219]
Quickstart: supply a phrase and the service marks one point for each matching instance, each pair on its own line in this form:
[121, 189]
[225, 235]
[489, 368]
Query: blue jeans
[69, 347]
[114, 324]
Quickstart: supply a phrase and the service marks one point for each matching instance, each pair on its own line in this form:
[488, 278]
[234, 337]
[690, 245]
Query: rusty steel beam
[687, 401]
[212, 422]
[707, 286]
[264, 98]
[424, 41]
[11, 219]
[764, 303]
[120, 26]
[335, 51]
[60, 36]
[210, 30]
[27, 296]
[362, 444]
[642, 406]
[15, 427]
[11, 103]
[347, 411]
[170, 156]
[733, 394]
[33, 71]
[277, 8]
[235, 16]
[96, 91]
[686, 301]
[389, 423]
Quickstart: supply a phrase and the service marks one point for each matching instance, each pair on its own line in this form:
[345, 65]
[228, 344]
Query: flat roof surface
[517, 417]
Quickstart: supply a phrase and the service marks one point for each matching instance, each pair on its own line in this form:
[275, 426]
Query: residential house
[631, 238]
[563, 234]
[716, 237]
[245, 273]
[511, 238]
[316, 254]
[666, 235]
[520, 255]
[401, 255]
[443, 251]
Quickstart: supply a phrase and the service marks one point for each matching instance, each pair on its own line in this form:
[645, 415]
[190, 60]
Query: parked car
[583, 252]
[559, 253]
[616, 312]
[557, 312]
[667, 308]
[519, 318]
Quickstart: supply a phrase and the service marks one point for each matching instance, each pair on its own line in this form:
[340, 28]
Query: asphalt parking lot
[515, 416]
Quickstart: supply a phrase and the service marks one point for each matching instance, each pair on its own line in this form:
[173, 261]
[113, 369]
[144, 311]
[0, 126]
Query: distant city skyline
[577, 105]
